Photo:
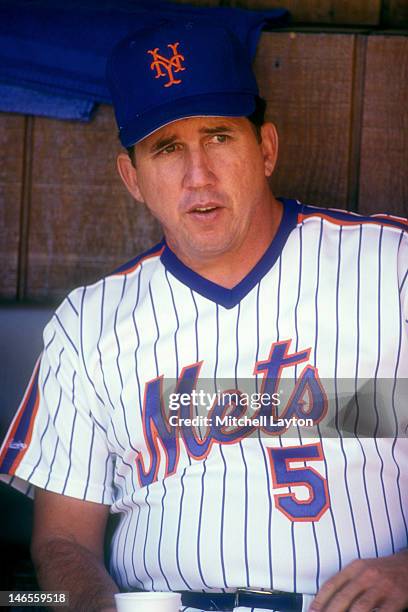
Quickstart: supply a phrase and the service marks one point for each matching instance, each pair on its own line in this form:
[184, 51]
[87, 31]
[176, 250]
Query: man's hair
[257, 118]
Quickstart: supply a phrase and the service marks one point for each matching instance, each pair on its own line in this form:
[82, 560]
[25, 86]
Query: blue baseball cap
[178, 70]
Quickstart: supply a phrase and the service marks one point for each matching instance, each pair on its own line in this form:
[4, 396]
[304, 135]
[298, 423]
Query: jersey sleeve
[57, 440]
[403, 278]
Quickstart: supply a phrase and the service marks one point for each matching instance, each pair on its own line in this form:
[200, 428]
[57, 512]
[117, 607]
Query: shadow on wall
[20, 344]
[21, 327]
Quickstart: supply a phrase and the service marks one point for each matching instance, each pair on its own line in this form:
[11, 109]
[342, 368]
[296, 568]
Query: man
[288, 298]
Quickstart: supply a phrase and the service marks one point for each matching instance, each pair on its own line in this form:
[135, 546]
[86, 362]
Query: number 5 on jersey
[285, 475]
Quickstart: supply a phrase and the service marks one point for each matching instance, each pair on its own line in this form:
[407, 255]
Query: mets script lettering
[161, 437]
[169, 64]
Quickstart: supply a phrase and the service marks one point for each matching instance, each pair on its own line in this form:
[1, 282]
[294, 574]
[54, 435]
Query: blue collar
[231, 297]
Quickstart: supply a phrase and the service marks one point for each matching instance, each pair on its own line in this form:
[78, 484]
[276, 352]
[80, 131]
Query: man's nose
[198, 171]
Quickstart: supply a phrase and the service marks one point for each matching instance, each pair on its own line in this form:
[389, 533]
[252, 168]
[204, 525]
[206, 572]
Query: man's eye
[220, 138]
[171, 148]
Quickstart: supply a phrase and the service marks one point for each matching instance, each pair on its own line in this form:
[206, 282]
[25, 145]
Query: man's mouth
[203, 209]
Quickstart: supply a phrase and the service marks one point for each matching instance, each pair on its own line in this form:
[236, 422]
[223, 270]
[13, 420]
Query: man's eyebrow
[162, 143]
[216, 129]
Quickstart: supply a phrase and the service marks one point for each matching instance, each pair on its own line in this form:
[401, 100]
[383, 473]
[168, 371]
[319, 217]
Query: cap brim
[209, 105]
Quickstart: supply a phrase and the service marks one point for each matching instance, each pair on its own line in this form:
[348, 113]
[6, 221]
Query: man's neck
[233, 266]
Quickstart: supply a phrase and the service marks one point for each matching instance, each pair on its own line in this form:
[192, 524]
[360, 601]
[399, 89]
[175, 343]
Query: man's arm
[365, 585]
[67, 550]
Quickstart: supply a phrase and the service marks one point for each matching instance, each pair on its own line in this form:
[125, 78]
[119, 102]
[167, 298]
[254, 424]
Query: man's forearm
[65, 565]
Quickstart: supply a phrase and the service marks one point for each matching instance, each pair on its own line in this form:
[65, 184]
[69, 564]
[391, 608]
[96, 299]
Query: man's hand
[367, 584]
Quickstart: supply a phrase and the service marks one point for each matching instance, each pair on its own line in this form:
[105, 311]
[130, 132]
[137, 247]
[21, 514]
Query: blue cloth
[17, 99]
[60, 49]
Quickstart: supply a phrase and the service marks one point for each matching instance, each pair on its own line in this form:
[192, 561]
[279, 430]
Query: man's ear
[128, 174]
[269, 147]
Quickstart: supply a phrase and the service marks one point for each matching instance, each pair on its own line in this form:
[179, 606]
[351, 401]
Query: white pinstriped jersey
[328, 301]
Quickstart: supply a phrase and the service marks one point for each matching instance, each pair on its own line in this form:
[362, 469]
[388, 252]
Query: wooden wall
[382, 13]
[339, 101]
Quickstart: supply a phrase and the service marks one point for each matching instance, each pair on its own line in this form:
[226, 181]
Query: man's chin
[198, 245]
[207, 247]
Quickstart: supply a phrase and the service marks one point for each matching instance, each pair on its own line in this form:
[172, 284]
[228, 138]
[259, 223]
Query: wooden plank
[307, 82]
[394, 13]
[357, 102]
[25, 207]
[83, 222]
[333, 12]
[384, 148]
[11, 167]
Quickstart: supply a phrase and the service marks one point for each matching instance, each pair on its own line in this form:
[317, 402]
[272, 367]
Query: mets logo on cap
[170, 64]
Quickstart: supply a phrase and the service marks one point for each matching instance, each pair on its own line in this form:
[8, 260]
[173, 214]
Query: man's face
[204, 179]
